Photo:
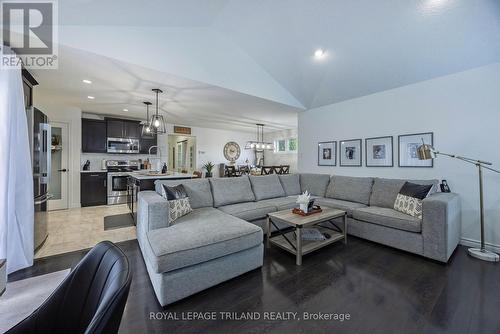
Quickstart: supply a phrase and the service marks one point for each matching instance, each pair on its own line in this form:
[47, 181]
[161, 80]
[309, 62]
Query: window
[288, 145]
[281, 147]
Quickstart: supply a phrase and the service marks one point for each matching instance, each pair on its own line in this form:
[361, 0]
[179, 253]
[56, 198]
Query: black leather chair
[90, 300]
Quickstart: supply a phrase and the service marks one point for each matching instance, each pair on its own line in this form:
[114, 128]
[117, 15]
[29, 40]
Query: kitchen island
[145, 180]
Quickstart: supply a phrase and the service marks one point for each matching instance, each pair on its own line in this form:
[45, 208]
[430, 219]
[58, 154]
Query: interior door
[58, 186]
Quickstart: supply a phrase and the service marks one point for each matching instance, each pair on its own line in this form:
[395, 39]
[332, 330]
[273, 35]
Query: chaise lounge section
[222, 237]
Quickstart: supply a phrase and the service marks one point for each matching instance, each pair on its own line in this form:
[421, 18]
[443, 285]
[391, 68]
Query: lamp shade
[426, 152]
[146, 128]
[157, 124]
[259, 144]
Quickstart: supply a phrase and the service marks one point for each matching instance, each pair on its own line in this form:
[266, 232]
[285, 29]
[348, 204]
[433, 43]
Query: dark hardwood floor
[382, 289]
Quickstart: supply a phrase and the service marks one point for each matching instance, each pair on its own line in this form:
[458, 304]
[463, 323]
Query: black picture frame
[422, 134]
[367, 140]
[332, 154]
[341, 155]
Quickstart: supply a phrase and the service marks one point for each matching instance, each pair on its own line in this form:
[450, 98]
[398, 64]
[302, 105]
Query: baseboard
[476, 243]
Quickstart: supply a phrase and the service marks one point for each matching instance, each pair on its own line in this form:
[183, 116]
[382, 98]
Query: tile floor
[82, 228]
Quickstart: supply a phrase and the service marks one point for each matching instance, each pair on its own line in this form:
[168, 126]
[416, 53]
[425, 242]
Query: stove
[118, 171]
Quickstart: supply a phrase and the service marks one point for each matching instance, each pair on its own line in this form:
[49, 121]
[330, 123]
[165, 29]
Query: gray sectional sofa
[222, 237]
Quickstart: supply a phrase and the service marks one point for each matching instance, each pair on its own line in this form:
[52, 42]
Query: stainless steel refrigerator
[40, 146]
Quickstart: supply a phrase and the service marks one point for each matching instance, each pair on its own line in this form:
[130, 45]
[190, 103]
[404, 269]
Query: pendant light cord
[157, 94]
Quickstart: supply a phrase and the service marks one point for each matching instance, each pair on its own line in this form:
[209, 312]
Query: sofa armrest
[441, 225]
[152, 211]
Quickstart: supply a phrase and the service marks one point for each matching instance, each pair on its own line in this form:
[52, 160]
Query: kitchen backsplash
[96, 158]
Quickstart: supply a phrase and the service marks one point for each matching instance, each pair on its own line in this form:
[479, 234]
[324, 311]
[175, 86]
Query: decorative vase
[207, 174]
[303, 207]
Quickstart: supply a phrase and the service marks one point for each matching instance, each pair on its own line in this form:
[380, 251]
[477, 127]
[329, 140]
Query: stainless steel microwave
[122, 145]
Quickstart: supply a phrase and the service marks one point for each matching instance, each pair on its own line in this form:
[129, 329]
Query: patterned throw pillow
[178, 208]
[409, 199]
[178, 202]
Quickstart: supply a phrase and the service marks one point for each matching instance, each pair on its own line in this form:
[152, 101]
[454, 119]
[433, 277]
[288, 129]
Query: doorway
[58, 185]
[182, 153]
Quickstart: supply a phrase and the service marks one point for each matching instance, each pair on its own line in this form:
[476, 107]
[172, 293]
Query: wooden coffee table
[290, 239]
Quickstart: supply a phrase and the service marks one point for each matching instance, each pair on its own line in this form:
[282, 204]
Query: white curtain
[16, 178]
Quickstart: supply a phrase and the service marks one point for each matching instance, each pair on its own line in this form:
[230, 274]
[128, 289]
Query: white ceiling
[231, 63]
[372, 46]
[185, 13]
[117, 85]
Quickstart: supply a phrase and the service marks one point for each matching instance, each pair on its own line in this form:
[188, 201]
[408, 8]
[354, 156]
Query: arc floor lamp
[426, 152]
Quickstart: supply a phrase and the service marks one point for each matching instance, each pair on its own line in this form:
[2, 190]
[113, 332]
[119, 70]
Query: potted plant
[208, 167]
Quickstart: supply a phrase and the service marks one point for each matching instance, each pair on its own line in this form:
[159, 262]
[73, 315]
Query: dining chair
[266, 170]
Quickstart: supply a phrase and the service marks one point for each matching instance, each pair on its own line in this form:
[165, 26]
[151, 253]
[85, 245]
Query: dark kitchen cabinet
[93, 189]
[132, 129]
[146, 143]
[93, 136]
[122, 128]
[115, 128]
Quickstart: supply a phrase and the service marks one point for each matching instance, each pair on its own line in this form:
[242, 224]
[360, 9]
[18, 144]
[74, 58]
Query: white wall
[272, 158]
[463, 111]
[210, 145]
[73, 117]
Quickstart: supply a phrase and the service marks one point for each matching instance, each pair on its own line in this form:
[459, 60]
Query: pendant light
[259, 144]
[146, 128]
[157, 122]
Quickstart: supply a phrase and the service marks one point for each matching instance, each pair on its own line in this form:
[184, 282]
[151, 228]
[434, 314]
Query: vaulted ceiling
[259, 54]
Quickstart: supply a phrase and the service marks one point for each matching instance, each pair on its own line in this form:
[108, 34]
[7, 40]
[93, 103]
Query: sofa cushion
[352, 189]
[388, 217]
[385, 191]
[339, 204]
[290, 183]
[249, 210]
[282, 203]
[200, 236]
[315, 184]
[198, 191]
[266, 186]
[231, 190]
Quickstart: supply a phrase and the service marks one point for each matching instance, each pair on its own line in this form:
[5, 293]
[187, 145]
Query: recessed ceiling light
[319, 53]
[125, 109]
[90, 97]
[88, 82]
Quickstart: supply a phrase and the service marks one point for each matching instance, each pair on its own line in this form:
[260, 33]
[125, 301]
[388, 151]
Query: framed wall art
[327, 153]
[351, 153]
[407, 149]
[379, 152]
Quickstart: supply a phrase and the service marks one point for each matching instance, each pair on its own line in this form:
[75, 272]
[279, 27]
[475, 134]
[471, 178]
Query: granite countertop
[142, 175]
